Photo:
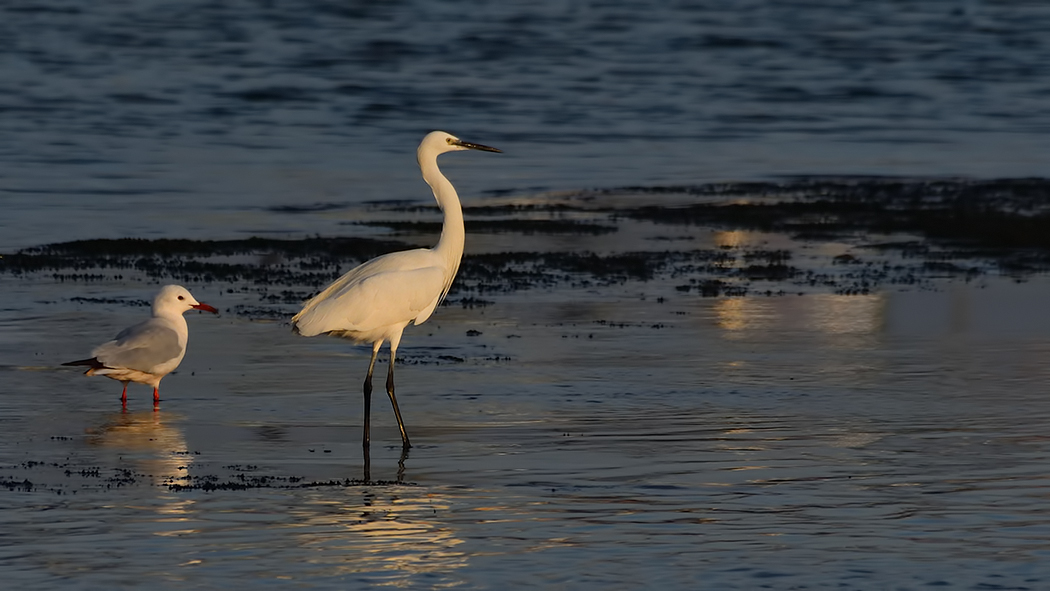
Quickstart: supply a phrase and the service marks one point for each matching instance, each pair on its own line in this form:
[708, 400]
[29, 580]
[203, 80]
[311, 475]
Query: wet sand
[819, 383]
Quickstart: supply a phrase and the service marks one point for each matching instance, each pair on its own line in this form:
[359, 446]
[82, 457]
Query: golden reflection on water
[732, 238]
[740, 314]
[824, 314]
[853, 314]
[397, 533]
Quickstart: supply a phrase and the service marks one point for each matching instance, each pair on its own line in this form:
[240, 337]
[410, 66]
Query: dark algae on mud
[932, 228]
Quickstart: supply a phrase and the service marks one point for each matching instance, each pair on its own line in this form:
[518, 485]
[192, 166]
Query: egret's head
[176, 299]
[439, 142]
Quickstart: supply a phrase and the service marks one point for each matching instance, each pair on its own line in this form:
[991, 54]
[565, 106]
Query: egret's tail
[304, 327]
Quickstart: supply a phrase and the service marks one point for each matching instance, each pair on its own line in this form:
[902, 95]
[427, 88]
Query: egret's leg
[393, 400]
[367, 469]
[368, 389]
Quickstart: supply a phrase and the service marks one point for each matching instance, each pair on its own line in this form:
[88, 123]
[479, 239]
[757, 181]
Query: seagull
[148, 351]
[375, 301]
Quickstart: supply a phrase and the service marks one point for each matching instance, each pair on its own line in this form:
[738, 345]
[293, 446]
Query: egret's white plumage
[374, 302]
[148, 351]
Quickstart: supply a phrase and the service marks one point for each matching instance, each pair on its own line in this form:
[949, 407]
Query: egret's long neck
[450, 246]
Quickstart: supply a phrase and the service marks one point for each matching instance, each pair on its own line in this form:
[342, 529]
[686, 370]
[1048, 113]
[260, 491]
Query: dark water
[152, 118]
[580, 435]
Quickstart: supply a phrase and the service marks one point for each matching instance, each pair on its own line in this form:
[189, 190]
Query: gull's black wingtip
[93, 363]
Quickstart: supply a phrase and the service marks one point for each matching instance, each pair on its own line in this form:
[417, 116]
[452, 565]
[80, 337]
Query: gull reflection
[156, 448]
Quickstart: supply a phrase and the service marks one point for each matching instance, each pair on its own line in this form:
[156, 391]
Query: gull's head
[176, 299]
[439, 142]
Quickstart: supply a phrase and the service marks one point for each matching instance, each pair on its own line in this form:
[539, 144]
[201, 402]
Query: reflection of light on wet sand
[391, 533]
[742, 314]
[857, 439]
[731, 238]
[156, 448]
[825, 314]
[855, 314]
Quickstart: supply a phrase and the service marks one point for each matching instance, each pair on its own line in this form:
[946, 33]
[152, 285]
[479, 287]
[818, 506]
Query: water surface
[151, 119]
[583, 430]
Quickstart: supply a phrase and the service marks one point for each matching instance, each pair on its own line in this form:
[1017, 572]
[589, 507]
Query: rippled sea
[152, 118]
[626, 435]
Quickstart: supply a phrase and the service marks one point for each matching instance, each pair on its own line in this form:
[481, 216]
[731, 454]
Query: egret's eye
[448, 140]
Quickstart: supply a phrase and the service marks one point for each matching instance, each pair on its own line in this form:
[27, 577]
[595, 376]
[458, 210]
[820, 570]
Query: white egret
[375, 301]
[148, 351]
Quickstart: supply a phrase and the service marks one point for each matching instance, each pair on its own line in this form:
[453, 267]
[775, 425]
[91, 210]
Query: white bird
[374, 302]
[148, 351]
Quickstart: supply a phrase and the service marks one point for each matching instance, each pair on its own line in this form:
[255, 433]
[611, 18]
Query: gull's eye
[181, 298]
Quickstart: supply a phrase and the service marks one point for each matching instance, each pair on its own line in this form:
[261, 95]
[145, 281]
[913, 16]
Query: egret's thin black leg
[393, 401]
[368, 464]
[368, 394]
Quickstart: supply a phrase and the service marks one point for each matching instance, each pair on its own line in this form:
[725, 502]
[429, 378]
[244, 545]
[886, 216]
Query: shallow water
[895, 439]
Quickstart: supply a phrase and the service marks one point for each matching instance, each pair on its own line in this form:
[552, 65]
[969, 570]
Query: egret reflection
[366, 459]
[396, 532]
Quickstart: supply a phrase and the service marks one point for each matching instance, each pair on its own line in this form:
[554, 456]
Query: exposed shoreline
[883, 231]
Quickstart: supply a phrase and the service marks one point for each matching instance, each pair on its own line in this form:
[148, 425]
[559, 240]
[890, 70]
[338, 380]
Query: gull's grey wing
[142, 347]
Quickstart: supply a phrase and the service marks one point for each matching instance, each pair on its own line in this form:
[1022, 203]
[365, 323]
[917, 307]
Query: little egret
[375, 301]
[148, 351]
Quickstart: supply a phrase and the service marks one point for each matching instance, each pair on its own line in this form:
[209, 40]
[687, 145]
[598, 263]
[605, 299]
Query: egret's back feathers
[393, 289]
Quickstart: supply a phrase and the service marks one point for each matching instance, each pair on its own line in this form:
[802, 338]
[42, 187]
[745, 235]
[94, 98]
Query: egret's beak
[471, 146]
[204, 307]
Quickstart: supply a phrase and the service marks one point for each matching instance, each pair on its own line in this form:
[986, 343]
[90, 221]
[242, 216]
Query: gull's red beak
[205, 307]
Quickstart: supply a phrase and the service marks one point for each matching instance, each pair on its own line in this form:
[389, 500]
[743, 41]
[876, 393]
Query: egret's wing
[141, 347]
[369, 303]
[407, 260]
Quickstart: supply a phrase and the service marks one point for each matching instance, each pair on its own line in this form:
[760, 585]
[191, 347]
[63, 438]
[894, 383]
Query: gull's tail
[92, 364]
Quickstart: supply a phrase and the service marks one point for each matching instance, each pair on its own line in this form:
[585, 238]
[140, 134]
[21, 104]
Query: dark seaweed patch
[139, 303]
[126, 247]
[950, 229]
[241, 482]
[528, 227]
[504, 272]
[511, 209]
[309, 208]
[24, 485]
[317, 260]
[1003, 214]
